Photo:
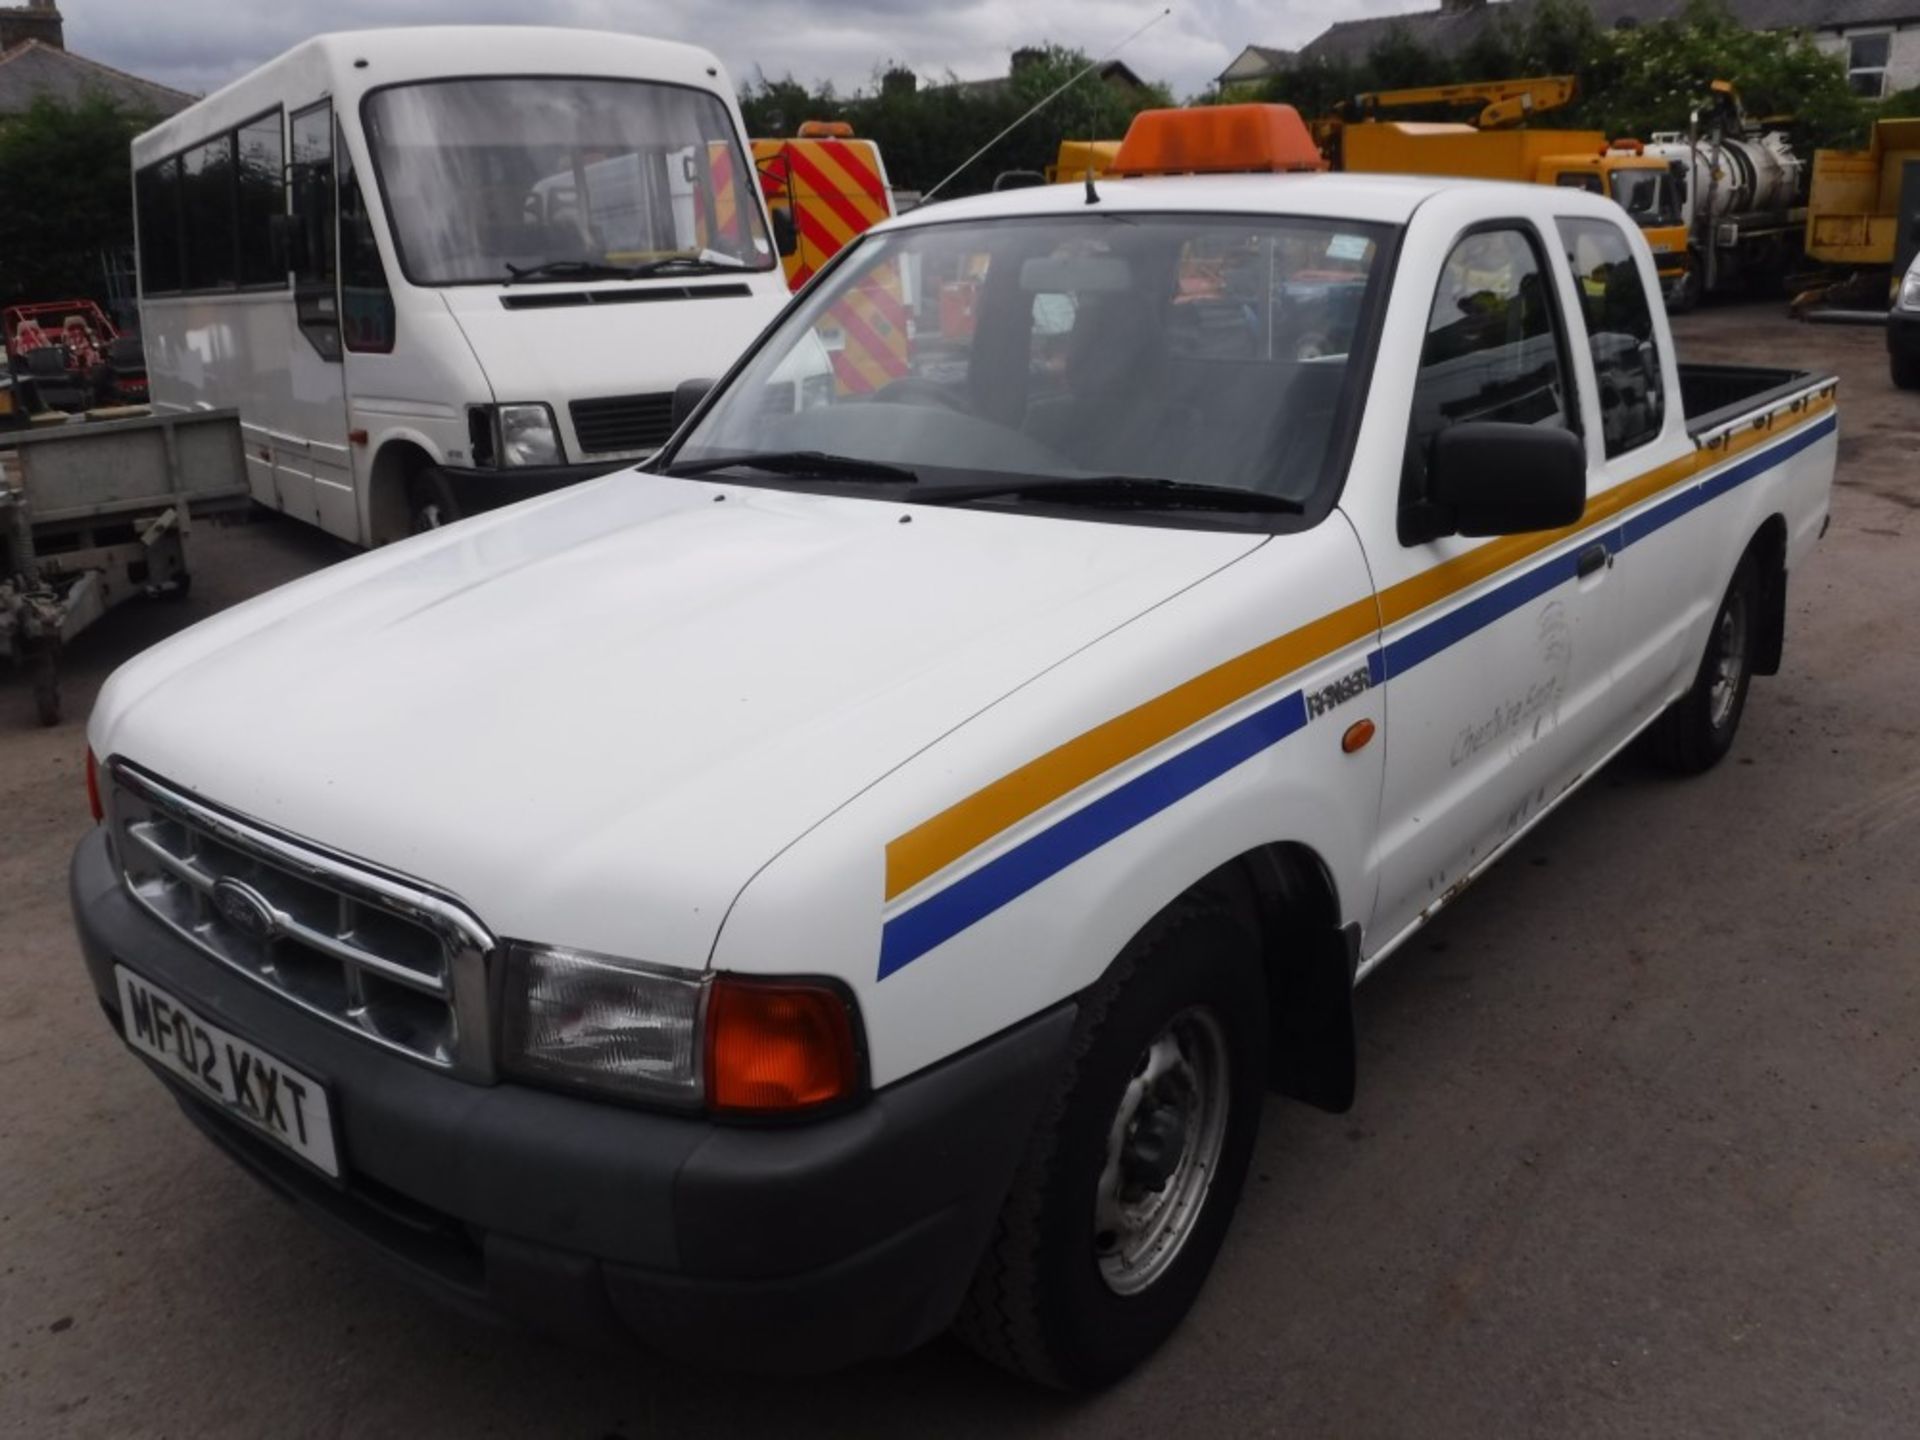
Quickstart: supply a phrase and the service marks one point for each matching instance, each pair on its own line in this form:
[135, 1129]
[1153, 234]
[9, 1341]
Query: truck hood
[562, 343]
[595, 716]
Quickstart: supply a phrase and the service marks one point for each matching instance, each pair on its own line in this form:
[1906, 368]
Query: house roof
[1111, 71]
[31, 70]
[1450, 32]
[1254, 62]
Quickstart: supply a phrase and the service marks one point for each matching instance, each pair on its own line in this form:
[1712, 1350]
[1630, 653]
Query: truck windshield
[1646, 195]
[547, 178]
[1208, 350]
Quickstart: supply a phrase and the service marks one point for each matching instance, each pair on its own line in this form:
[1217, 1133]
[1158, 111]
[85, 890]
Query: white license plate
[242, 1079]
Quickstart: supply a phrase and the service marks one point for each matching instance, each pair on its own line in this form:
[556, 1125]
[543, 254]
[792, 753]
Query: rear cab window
[1620, 338]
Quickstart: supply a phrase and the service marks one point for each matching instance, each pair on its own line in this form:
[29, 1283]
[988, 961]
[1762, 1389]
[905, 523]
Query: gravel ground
[1637, 1149]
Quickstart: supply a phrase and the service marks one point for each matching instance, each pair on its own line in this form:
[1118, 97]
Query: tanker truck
[1743, 198]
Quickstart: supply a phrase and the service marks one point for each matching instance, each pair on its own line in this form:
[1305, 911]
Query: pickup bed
[866, 872]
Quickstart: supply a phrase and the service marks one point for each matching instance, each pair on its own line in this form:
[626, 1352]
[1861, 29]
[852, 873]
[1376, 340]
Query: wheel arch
[397, 461]
[1287, 895]
[1768, 549]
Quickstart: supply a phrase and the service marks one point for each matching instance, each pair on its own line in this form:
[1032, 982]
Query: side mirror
[786, 239]
[1492, 478]
[687, 396]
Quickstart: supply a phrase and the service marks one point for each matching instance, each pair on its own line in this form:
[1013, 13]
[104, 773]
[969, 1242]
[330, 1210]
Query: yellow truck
[1078, 158]
[1582, 159]
[1854, 207]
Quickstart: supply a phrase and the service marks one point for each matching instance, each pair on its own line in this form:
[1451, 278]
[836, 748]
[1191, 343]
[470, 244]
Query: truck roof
[1384, 199]
[1391, 199]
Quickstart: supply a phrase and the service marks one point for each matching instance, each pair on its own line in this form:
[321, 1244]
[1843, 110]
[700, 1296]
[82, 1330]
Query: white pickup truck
[865, 873]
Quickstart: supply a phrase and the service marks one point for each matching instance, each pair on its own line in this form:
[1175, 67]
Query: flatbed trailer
[95, 512]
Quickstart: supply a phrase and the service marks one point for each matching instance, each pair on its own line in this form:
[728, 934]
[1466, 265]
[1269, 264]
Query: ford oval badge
[245, 908]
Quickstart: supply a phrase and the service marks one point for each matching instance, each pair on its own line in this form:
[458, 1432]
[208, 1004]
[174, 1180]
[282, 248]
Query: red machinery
[67, 355]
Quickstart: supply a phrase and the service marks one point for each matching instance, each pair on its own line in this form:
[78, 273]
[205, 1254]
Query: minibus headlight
[735, 1044]
[594, 1022]
[527, 436]
[1910, 291]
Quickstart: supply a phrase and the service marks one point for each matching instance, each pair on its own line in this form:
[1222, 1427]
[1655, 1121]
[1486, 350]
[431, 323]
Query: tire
[45, 665]
[1905, 371]
[1698, 729]
[1064, 1294]
[430, 502]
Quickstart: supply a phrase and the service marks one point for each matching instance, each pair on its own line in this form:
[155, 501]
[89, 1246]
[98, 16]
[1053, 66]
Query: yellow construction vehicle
[1354, 139]
[1854, 208]
[1079, 158]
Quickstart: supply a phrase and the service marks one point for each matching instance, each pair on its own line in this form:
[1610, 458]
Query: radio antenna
[1046, 100]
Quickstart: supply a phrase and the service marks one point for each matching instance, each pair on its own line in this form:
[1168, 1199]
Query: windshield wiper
[814, 464]
[1122, 490]
[704, 260]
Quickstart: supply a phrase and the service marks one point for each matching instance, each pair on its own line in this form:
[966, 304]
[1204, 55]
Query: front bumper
[480, 490]
[795, 1248]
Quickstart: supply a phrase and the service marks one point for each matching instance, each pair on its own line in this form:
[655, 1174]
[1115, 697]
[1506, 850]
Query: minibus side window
[315, 296]
[366, 300]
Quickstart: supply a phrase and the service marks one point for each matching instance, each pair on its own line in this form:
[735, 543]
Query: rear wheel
[1905, 370]
[1133, 1170]
[1698, 729]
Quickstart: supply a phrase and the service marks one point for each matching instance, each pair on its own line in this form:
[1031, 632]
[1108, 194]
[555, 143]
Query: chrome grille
[622, 424]
[375, 953]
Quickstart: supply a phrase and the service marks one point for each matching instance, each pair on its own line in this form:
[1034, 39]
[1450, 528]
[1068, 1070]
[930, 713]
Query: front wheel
[1698, 729]
[430, 502]
[1133, 1170]
[1905, 370]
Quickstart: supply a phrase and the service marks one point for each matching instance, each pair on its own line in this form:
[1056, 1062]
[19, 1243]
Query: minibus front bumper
[778, 1248]
[476, 491]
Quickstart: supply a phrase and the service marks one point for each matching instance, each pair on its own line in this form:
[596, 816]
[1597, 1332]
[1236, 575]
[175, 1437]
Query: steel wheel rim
[1729, 661]
[1177, 1096]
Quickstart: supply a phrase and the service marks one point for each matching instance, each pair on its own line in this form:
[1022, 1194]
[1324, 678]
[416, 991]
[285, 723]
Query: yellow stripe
[839, 162]
[936, 843]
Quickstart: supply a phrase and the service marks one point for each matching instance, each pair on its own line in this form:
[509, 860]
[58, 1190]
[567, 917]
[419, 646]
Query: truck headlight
[1910, 291]
[528, 436]
[732, 1043]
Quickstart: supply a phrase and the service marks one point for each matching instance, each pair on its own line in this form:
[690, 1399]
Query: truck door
[1495, 652]
[308, 425]
[1656, 610]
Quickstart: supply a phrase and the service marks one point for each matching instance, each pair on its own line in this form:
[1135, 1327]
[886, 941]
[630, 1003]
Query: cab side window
[1626, 358]
[1493, 344]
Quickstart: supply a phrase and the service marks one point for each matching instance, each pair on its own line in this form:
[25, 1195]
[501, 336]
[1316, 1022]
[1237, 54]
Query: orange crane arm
[1502, 102]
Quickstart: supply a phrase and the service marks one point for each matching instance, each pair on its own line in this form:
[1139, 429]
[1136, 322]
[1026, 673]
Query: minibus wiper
[572, 269]
[705, 260]
[1120, 490]
[814, 464]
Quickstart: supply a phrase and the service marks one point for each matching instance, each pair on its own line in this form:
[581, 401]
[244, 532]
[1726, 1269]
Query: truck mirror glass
[687, 396]
[1495, 478]
[785, 238]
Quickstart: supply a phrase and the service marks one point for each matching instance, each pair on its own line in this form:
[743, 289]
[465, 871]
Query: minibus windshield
[1094, 359]
[546, 179]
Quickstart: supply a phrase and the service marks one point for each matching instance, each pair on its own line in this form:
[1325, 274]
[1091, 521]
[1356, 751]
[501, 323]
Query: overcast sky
[198, 45]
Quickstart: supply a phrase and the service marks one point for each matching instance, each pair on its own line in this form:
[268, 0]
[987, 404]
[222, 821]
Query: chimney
[36, 20]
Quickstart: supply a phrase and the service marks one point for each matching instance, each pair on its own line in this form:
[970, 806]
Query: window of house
[1626, 357]
[1867, 63]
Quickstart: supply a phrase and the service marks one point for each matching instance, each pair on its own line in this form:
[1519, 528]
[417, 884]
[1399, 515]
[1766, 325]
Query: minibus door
[313, 469]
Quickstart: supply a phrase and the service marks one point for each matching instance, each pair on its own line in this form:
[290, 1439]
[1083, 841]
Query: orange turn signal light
[1357, 736]
[93, 788]
[778, 1046]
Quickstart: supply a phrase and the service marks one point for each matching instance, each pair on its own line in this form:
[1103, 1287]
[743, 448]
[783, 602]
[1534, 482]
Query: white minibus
[437, 269]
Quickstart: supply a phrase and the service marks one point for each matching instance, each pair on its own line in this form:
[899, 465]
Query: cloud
[199, 45]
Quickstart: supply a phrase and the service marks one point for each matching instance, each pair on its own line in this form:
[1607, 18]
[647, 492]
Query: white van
[437, 269]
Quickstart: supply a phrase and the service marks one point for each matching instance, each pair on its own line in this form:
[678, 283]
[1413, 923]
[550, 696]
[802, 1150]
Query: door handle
[1591, 559]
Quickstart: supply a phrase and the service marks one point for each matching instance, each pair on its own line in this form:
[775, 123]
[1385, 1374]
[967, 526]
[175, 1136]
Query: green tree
[65, 174]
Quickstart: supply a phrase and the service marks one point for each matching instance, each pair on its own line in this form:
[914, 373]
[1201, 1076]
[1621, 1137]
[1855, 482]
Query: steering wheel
[917, 389]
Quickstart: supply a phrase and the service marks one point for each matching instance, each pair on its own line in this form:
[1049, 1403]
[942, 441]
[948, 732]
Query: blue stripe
[973, 897]
[912, 933]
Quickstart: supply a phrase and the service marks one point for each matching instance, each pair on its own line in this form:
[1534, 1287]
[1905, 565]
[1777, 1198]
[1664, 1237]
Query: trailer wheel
[46, 685]
[1132, 1171]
